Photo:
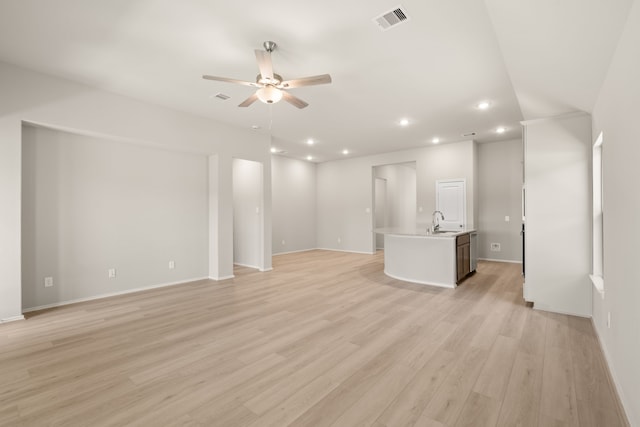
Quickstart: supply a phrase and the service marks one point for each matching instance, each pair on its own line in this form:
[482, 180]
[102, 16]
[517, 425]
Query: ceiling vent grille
[392, 18]
[222, 96]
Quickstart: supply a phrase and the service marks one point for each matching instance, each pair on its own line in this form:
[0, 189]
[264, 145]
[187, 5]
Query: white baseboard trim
[217, 279]
[344, 250]
[255, 267]
[612, 372]
[537, 306]
[294, 252]
[264, 270]
[112, 294]
[12, 319]
[418, 282]
[500, 260]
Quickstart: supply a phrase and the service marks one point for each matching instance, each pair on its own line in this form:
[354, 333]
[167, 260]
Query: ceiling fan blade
[306, 81]
[293, 100]
[264, 63]
[224, 79]
[250, 100]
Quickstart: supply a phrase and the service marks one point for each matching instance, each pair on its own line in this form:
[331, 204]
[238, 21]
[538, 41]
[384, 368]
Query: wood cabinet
[463, 256]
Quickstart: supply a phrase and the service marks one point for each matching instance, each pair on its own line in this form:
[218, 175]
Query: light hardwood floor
[326, 339]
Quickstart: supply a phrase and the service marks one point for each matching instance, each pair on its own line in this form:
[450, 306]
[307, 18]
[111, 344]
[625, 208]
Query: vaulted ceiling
[527, 58]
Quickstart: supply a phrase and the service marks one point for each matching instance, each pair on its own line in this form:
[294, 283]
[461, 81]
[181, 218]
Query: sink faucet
[434, 220]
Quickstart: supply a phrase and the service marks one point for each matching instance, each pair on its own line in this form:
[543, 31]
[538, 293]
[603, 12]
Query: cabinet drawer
[463, 240]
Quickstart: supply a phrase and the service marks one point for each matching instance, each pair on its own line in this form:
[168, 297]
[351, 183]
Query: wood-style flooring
[325, 339]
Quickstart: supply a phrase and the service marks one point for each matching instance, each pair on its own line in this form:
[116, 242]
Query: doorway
[394, 201]
[380, 209]
[248, 203]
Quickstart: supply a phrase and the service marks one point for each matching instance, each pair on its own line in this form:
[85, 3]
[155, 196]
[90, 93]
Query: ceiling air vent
[222, 96]
[391, 18]
[469, 134]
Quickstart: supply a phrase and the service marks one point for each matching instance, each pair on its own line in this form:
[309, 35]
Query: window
[597, 274]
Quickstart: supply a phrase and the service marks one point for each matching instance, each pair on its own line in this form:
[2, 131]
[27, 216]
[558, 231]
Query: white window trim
[597, 239]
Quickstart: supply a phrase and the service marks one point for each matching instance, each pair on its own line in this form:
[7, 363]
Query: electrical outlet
[112, 273]
[495, 247]
[609, 319]
[506, 218]
[48, 282]
[172, 265]
[339, 240]
[283, 242]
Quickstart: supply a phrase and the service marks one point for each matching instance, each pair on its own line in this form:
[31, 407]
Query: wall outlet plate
[48, 282]
[112, 273]
[495, 247]
[172, 265]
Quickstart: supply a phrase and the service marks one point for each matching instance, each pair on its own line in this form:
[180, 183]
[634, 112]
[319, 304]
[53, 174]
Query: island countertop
[422, 232]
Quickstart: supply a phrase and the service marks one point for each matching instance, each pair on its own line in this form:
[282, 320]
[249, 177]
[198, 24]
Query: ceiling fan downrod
[269, 46]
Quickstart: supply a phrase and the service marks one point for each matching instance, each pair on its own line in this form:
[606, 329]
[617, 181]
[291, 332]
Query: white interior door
[450, 200]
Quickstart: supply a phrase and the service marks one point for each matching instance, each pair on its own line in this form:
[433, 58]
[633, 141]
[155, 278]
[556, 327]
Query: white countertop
[423, 232]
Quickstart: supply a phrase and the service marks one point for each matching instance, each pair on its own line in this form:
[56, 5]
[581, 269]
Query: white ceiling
[528, 58]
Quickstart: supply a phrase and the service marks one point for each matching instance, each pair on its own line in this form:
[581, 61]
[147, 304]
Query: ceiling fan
[271, 86]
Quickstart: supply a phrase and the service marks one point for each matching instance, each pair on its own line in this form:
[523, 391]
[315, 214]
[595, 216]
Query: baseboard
[621, 401]
[264, 270]
[418, 282]
[344, 250]
[255, 267]
[111, 294]
[536, 306]
[12, 319]
[217, 279]
[294, 252]
[500, 260]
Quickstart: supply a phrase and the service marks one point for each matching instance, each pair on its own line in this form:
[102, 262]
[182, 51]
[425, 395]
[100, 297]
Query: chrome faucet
[435, 224]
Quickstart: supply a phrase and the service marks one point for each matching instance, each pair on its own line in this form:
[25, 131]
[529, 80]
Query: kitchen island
[438, 259]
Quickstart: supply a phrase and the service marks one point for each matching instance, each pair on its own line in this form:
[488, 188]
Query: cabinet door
[466, 259]
[460, 263]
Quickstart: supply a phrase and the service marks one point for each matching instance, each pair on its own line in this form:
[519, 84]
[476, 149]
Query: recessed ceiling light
[310, 141]
[501, 130]
[255, 127]
[483, 105]
[404, 122]
[309, 158]
[435, 140]
[274, 150]
[345, 151]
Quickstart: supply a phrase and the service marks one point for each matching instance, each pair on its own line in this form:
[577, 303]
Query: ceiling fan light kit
[269, 94]
[272, 87]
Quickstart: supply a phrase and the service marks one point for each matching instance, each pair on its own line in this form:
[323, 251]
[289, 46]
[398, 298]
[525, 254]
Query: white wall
[60, 104]
[616, 114]
[401, 194]
[499, 195]
[90, 204]
[247, 213]
[558, 216]
[294, 204]
[345, 191]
